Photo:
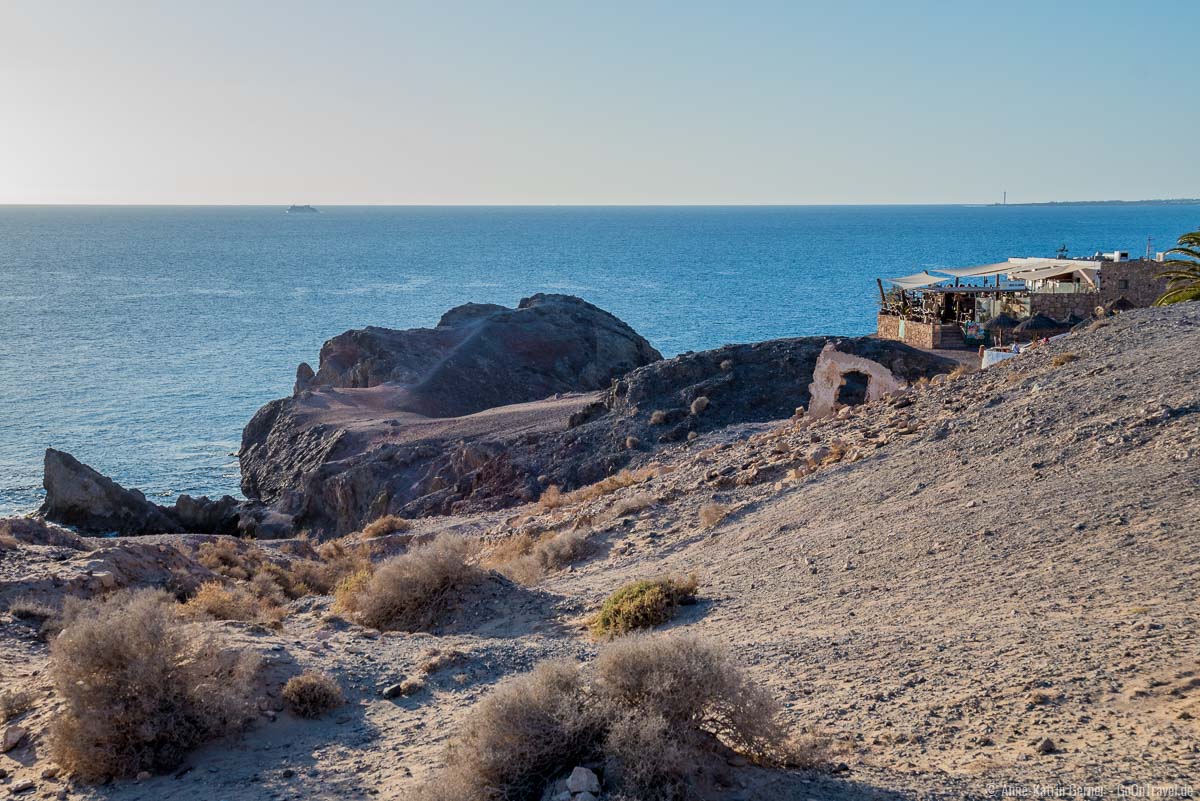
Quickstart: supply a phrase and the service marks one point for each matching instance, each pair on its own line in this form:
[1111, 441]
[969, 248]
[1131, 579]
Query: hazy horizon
[491, 104]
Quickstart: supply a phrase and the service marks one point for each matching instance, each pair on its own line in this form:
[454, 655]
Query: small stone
[50, 773]
[22, 786]
[583, 780]
[143, 776]
[1046, 746]
[13, 735]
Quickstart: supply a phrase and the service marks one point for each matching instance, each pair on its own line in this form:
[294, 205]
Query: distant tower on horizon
[1005, 203]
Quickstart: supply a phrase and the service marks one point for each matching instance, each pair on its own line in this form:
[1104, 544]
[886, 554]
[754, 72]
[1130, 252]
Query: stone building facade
[1133, 279]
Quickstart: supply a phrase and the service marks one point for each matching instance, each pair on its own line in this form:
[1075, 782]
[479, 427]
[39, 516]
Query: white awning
[976, 272]
[915, 281]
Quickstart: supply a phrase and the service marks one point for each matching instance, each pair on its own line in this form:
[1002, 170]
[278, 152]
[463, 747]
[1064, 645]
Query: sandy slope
[1004, 558]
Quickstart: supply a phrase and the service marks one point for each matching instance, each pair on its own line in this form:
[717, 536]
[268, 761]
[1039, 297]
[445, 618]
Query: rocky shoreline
[484, 411]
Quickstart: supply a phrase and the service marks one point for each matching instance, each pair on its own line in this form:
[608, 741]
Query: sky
[566, 102]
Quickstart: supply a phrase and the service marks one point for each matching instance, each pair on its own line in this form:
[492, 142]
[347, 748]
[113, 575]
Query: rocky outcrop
[78, 496]
[335, 457]
[481, 356]
[81, 497]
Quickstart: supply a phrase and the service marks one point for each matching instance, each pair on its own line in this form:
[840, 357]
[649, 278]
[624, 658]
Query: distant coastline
[1176, 201]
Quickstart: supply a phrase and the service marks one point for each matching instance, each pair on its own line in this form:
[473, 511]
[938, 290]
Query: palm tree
[1183, 275]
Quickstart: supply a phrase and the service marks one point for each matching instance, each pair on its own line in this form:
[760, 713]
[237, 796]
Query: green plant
[1182, 274]
[642, 605]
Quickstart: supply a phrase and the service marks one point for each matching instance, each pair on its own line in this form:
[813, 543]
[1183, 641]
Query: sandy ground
[994, 561]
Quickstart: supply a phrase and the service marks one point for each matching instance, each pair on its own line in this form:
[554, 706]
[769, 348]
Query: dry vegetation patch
[713, 513]
[140, 688]
[643, 605]
[388, 524]
[554, 498]
[14, 703]
[1063, 358]
[411, 592]
[527, 559]
[312, 694]
[219, 601]
[656, 712]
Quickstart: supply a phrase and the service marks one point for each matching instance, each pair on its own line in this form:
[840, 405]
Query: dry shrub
[960, 371]
[518, 738]
[658, 417]
[219, 601]
[553, 497]
[25, 607]
[312, 694]
[7, 543]
[642, 605]
[436, 659]
[527, 560]
[713, 513]
[633, 504]
[388, 524]
[140, 688]
[699, 405]
[411, 592]
[1063, 358]
[660, 713]
[14, 703]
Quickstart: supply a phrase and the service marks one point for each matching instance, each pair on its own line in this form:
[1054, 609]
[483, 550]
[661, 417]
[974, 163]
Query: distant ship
[301, 210]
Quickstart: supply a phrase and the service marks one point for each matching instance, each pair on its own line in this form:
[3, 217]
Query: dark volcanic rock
[81, 497]
[481, 356]
[77, 495]
[335, 458]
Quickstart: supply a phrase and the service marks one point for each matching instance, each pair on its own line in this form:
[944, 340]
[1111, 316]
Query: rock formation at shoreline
[83, 498]
[379, 429]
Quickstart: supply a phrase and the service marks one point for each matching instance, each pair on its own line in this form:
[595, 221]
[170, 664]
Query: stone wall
[1060, 305]
[917, 334]
[1133, 279]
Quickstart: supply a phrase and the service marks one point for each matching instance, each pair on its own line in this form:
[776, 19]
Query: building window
[1123, 283]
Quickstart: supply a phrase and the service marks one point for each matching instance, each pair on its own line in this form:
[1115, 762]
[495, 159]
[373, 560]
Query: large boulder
[481, 356]
[78, 496]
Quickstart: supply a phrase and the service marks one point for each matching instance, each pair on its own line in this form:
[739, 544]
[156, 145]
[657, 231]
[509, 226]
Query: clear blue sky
[586, 102]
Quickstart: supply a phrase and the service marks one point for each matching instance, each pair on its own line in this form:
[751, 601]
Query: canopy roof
[1021, 269]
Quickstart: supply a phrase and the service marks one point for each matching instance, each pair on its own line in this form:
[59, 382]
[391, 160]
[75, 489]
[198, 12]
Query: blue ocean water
[142, 339]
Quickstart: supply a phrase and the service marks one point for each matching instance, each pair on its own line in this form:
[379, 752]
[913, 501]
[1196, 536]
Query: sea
[142, 339]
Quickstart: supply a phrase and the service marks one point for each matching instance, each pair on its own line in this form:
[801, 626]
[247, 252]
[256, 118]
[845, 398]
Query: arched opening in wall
[853, 390]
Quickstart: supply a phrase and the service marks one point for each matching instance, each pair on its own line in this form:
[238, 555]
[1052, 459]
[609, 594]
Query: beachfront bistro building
[1021, 298]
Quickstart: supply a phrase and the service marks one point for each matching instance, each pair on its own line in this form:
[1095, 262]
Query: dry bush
[14, 703]
[140, 688]
[518, 738]
[658, 712]
[312, 694]
[642, 605]
[1063, 358]
[220, 601]
[633, 504]
[413, 591]
[527, 560]
[25, 607]
[7, 543]
[960, 371]
[553, 497]
[699, 405]
[726, 365]
[388, 524]
[669, 695]
[436, 659]
[658, 417]
[713, 513]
